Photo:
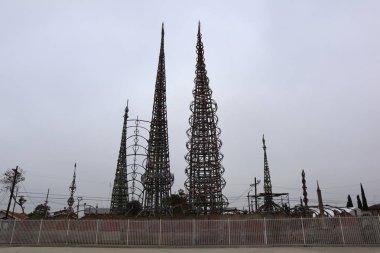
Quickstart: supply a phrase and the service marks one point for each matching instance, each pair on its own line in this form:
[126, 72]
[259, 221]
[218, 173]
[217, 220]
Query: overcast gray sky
[305, 73]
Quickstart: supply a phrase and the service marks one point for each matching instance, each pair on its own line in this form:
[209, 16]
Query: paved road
[191, 250]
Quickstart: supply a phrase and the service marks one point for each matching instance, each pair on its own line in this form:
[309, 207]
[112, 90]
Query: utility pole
[12, 190]
[15, 201]
[46, 202]
[255, 195]
[249, 202]
[255, 185]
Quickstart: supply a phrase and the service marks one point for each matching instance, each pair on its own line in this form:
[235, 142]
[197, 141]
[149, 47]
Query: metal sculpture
[119, 198]
[72, 189]
[320, 201]
[136, 157]
[305, 199]
[157, 179]
[268, 198]
[269, 205]
[204, 170]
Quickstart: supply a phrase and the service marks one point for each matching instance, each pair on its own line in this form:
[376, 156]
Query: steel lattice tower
[204, 170]
[72, 189]
[268, 197]
[119, 198]
[157, 179]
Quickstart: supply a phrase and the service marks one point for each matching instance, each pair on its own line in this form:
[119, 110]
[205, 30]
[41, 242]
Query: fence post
[303, 232]
[341, 230]
[159, 238]
[229, 232]
[67, 232]
[265, 232]
[128, 232]
[39, 232]
[13, 231]
[193, 232]
[97, 231]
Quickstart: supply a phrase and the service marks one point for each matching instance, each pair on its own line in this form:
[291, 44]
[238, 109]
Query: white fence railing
[249, 232]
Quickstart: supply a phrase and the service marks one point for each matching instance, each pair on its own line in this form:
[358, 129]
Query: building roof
[17, 216]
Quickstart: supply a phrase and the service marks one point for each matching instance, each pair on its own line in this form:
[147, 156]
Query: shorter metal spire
[72, 190]
[305, 199]
[320, 201]
[268, 198]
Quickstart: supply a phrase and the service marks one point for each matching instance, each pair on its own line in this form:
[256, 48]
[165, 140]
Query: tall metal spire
[119, 198]
[268, 197]
[157, 178]
[304, 188]
[204, 170]
[72, 190]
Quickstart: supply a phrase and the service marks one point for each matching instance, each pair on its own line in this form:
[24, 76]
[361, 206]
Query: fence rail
[250, 232]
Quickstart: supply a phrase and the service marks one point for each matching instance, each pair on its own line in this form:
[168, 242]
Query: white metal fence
[249, 232]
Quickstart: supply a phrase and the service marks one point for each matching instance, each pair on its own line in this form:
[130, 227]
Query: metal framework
[304, 189]
[119, 198]
[72, 189]
[320, 201]
[137, 144]
[204, 170]
[269, 205]
[157, 179]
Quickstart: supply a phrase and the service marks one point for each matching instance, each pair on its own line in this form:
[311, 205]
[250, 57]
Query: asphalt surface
[191, 250]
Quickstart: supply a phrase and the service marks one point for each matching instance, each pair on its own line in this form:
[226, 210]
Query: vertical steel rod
[39, 232]
[229, 232]
[303, 232]
[128, 232]
[97, 231]
[193, 231]
[341, 229]
[13, 231]
[67, 232]
[265, 232]
[159, 238]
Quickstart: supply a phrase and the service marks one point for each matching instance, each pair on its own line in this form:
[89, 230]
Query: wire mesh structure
[204, 171]
[157, 179]
[119, 198]
[137, 143]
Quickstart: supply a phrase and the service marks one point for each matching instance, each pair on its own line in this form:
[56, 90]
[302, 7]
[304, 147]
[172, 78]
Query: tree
[364, 199]
[360, 206]
[9, 180]
[21, 201]
[8, 176]
[134, 207]
[179, 202]
[41, 211]
[349, 202]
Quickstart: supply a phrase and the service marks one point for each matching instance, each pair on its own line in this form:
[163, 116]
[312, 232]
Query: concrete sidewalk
[191, 250]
